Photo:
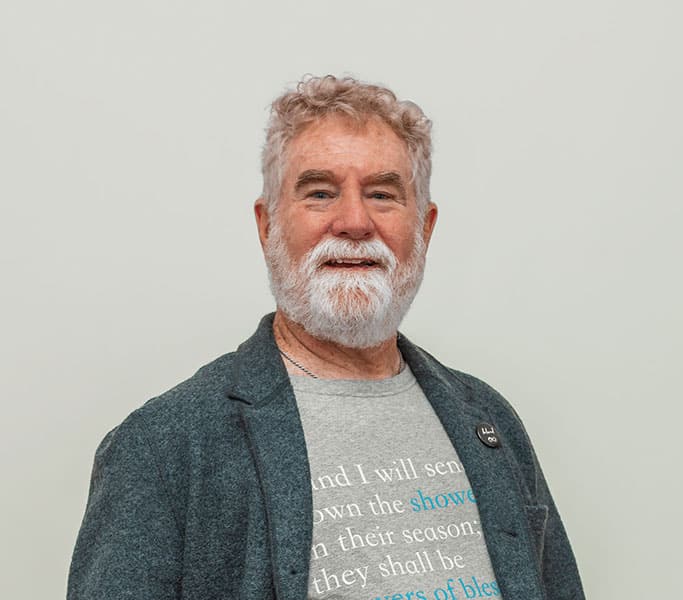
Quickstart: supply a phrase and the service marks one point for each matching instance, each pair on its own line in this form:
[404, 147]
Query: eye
[320, 195]
[381, 196]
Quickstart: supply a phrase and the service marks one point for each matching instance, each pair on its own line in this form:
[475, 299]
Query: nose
[352, 219]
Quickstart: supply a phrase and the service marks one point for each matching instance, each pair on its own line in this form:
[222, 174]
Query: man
[328, 457]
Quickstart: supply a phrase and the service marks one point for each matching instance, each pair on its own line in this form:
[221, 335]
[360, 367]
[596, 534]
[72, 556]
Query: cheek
[300, 236]
[401, 240]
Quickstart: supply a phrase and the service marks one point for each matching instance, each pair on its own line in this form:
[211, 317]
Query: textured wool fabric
[204, 492]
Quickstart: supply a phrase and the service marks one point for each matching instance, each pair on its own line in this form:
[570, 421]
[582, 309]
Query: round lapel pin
[488, 435]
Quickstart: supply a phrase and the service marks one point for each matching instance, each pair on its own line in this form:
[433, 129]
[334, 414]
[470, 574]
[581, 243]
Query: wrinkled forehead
[342, 141]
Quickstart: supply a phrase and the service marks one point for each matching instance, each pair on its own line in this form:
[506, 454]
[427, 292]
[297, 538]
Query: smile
[350, 263]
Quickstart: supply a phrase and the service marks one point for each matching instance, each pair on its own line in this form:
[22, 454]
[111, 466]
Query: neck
[332, 361]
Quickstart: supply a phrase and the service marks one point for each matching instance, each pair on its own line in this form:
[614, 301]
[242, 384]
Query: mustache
[337, 249]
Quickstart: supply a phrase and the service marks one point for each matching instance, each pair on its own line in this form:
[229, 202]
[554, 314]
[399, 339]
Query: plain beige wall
[129, 145]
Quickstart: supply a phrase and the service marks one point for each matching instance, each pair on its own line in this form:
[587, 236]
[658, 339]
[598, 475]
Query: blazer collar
[258, 373]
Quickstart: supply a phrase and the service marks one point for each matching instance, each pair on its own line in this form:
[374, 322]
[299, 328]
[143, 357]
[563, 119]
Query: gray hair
[317, 97]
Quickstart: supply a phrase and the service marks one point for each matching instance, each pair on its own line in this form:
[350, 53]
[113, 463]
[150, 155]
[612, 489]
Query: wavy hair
[317, 97]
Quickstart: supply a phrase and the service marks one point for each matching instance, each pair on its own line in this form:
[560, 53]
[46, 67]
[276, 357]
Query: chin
[351, 333]
[351, 318]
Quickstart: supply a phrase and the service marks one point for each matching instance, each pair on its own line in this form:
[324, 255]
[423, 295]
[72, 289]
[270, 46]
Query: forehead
[338, 143]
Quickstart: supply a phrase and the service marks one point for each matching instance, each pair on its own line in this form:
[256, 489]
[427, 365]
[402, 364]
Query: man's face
[346, 239]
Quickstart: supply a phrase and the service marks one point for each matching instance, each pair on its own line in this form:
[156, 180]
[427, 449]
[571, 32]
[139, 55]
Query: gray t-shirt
[394, 516]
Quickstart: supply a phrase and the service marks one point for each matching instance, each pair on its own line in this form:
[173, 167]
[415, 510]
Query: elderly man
[328, 457]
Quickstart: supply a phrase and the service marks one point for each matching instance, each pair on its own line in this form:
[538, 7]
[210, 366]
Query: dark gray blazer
[204, 492]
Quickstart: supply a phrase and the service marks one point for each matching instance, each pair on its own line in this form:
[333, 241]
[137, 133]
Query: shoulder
[474, 391]
[492, 408]
[192, 431]
[174, 424]
[193, 404]
[510, 427]
[485, 396]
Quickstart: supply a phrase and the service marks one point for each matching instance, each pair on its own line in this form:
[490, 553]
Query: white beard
[356, 309]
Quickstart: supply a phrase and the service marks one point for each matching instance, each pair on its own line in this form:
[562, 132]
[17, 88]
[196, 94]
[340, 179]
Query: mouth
[351, 263]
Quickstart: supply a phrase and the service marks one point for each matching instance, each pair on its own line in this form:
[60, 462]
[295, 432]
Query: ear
[430, 221]
[262, 220]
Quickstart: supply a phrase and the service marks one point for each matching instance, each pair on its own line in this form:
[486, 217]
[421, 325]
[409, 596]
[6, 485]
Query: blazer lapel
[276, 437]
[499, 497]
[260, 382]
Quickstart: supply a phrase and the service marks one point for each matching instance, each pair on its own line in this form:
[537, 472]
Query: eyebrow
[386, 178]
[313, 176]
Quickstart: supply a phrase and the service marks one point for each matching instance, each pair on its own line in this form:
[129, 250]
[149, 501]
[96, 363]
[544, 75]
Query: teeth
[352, 261]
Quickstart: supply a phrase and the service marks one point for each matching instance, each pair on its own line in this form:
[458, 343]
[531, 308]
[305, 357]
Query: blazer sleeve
[555, 560]
[130, 541]
[558, 567]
